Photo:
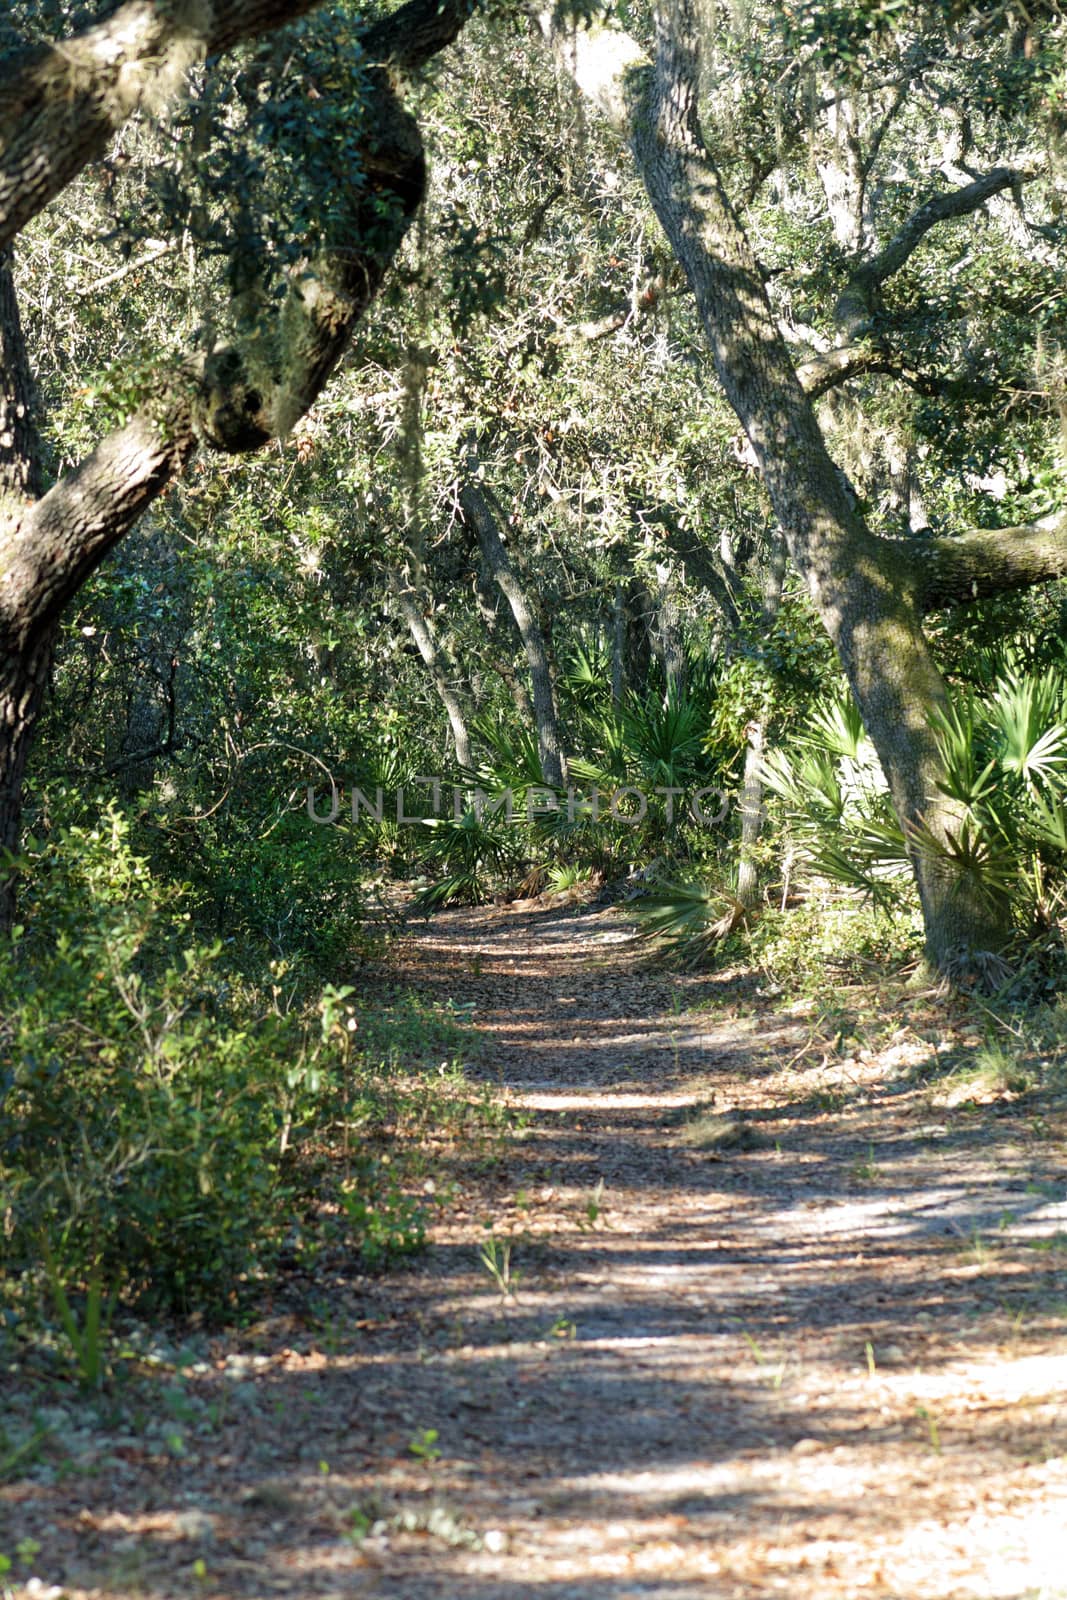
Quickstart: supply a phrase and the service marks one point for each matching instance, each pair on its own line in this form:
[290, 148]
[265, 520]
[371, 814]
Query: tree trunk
[23, 674]
[640, 617]
[671, 651]
[618, 645]
[751, 802]
[752, 781]
[867, 597]
[431, 655]
[476, 507]
[23, 680]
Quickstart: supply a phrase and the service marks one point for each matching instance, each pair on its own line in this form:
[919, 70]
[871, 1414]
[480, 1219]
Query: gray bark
[985, 562]
[476, 508]
[428, 649]
[24, 670]
[866, 597]
[23, 680]
[20, 450]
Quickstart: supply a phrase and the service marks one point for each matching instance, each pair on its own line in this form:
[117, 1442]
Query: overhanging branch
[50, 550]
[857, 303]
[986, 562]
[833, 367]
[941, 208]
[241, 397]
[60, 103]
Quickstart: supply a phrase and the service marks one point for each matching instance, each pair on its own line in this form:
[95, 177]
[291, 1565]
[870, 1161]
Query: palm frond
[961, 731]
[836, 727]
[687, 920]
[1026, 710]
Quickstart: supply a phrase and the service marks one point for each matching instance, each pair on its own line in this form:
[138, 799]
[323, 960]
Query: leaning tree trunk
[867, 595]
[476, 507]
[431, 654]
[752, 781]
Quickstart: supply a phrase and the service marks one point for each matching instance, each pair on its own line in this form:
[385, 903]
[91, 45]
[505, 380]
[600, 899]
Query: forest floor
[738, 1313]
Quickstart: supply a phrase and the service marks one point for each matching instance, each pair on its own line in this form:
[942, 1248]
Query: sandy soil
[738, 1315]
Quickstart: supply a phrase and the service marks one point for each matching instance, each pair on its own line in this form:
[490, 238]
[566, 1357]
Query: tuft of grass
[865, 1169]
[495, 1256]
[721, 1132]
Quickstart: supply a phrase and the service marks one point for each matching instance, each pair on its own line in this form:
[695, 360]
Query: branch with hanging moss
[61, 102]
[241, 396]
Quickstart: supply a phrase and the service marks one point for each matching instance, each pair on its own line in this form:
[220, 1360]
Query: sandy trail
[772, 1325]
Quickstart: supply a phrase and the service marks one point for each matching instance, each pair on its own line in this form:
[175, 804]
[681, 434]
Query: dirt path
[735, 1321]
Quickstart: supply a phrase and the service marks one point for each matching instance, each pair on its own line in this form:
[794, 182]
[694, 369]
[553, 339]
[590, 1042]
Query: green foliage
[810, 949]
[185, 1071]
[687, 920]
[165, 1116]
[836, 806]
[384, 1222]
[1005, 768]
[564, 876]
[86, 1341]
[649, 740]
[843, 32]
[138, 1118]
[292, 888]
[472, 851]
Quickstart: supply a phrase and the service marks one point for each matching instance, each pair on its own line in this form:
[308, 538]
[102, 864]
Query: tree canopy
[673, 292]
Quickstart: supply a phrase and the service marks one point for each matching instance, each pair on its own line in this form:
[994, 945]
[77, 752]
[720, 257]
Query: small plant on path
[495, 1256]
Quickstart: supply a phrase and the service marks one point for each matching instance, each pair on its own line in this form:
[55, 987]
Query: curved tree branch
[830, 368]
[986, 562]
[48, 552]
[941, 208]
[61, 102]
[241, 396]
[858, 301]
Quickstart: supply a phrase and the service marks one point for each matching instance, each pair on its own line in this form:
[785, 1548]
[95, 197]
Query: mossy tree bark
[870, 593]
[58, 106]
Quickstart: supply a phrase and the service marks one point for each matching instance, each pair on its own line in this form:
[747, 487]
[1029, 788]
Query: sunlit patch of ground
[741, 1314]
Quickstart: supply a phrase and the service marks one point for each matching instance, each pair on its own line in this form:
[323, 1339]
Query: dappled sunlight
[712, 1324]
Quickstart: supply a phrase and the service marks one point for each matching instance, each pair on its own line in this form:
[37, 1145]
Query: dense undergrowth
[182, 1118]
[198, 1094]
[855, 975]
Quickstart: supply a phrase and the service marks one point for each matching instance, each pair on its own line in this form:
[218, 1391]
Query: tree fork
[49, 546]
[864, 592]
